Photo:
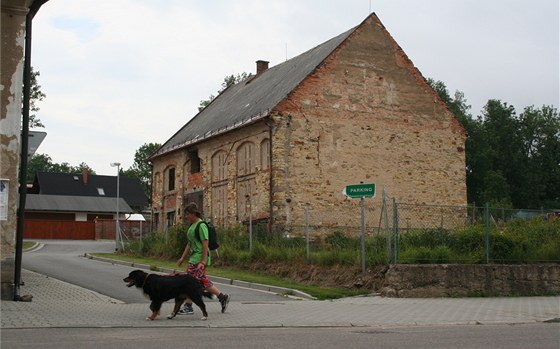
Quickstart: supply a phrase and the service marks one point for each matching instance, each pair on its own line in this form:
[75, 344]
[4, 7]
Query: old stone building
[353, 109]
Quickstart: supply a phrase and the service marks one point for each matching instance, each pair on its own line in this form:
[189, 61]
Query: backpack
[212, 235]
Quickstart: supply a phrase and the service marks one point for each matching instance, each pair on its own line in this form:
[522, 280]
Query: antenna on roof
[369, 6]
[286, 51]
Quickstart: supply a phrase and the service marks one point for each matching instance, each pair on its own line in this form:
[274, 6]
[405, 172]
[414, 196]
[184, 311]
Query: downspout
[33, 9]
[270, 126]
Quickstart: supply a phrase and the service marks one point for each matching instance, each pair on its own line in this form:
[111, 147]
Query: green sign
[360, 190]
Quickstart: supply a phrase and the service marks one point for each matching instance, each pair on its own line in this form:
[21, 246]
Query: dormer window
[100, 191]
[76, 178]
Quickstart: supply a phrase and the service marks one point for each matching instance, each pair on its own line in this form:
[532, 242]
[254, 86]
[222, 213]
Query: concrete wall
[12, 23]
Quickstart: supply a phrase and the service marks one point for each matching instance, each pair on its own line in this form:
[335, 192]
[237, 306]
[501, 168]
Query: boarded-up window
[246, 159]
[245, 178]
[265, 154]
[219, 205]
[219, 167]
[219, 188]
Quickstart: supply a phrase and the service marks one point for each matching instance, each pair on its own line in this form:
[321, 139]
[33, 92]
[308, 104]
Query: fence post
[307, 232]
[363, 237]
[395, 232]
[248, 196]
[487, 233]
[385, 210]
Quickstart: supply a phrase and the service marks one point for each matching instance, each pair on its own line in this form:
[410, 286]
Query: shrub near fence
[399, 233]
[474, 235]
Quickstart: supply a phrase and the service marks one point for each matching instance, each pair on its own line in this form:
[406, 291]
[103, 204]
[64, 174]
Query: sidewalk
[59, 304]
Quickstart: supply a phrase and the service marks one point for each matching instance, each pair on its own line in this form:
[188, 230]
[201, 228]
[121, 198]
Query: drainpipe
[270, 125]
[33, 9]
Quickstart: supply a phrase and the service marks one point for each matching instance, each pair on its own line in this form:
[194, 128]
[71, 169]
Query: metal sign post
[361, 191]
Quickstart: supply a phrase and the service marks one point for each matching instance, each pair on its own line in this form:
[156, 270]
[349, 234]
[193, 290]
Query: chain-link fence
[130, 230]
[385, 231]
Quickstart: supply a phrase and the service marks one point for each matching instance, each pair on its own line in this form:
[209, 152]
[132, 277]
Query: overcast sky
[121, 73]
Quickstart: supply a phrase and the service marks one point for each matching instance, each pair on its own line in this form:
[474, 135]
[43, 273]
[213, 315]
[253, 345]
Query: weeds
[518, 241]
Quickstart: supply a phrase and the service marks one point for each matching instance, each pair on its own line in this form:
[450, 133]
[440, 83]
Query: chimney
[261, 66]
[85, 175]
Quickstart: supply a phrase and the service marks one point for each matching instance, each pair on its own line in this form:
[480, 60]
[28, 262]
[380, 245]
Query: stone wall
[471, 280]
[186, 183]
[365, 115]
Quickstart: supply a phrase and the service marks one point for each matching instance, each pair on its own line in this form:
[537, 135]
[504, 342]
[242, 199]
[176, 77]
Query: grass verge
[321, 293]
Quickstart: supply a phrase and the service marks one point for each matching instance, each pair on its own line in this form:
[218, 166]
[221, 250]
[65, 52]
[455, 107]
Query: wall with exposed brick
[365, 115]
[187, 183]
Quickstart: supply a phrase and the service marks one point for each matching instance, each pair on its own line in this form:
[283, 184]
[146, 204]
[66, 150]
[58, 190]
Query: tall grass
[518, 241]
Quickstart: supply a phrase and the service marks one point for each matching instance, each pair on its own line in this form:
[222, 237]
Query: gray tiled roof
[253, 99]
[65, 203]
[50, 183]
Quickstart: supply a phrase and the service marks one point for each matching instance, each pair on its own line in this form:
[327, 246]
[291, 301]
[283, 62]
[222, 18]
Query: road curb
[288, 292]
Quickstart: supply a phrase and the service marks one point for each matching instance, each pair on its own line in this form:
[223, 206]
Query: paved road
[522, 336]
[63, 260]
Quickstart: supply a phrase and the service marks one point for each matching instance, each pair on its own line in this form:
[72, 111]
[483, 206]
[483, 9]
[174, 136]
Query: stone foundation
[450, 280]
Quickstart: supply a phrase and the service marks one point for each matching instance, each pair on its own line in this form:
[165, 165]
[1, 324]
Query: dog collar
[145, 279]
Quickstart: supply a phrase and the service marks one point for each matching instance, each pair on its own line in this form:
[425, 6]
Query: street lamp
[118, 245]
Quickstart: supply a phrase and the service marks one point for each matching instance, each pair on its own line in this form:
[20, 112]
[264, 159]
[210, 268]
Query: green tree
[502, 132]
[36, 95]
[142, 167]
[474, 145]
[44, 163]
[510, 160]
[540, 132]
[497, 190]
[228, 81]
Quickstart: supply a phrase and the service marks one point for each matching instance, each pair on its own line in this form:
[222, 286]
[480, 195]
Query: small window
[100, 191]
[195, 162]
[171, 178]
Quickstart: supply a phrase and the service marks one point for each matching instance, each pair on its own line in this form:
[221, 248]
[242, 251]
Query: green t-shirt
[196, 244]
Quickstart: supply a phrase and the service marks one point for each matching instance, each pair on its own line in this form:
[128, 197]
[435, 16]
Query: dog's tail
[207, 294]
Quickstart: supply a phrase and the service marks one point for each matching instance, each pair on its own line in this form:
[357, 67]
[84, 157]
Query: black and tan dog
[161, 288]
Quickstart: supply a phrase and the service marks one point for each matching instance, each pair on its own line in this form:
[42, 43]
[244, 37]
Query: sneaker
[224, 302]
[187, 309]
